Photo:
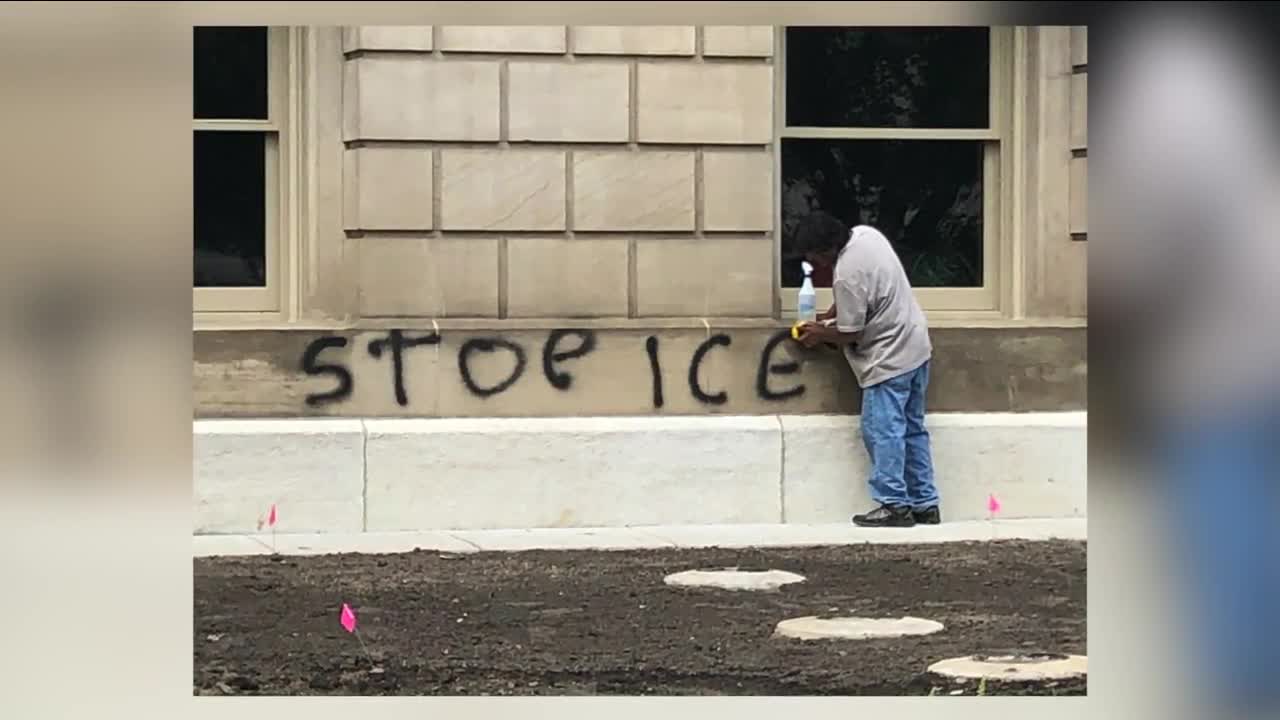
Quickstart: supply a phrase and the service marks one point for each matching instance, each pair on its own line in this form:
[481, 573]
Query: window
[899, 128]
[241, 133]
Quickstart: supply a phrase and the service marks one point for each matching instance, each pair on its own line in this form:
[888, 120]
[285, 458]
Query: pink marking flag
[270, 520]
[993, 507]
[348, 620]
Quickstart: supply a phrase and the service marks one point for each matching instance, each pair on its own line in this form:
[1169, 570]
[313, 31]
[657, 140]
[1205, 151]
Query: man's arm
[813, 334]
[828, 314]
[849, 312]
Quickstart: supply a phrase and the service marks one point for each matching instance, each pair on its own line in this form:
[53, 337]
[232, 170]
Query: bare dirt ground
[603, 622]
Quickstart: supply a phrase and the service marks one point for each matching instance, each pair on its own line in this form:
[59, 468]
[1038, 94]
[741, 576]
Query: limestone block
[737, 190]
[428, 277]
[569, 102]
[1079, 195]
[503, 38]
[633, 40]
[704, 277]
[416, 38]
[1079, 111]
[737, 40]
[416, 97]
[563, 278]
[1079, 45]
[624, 190]
[502, 189]
[387, 188]
[728, 103]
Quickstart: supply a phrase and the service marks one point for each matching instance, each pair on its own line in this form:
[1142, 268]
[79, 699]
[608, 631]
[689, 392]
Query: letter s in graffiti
[339, 372]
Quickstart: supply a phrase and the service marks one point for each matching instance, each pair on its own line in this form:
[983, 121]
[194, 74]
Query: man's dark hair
[820, 231]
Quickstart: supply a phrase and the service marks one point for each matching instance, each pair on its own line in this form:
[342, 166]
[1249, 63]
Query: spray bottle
[806, 305]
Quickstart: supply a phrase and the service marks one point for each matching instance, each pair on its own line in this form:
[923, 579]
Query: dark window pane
[924, 195]
[887, 77]
[230, 209]
[231, 73]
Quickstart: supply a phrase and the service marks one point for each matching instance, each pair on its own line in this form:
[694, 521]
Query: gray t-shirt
[874, 299]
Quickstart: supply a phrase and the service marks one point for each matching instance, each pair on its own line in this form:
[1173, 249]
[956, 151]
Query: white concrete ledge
[571, 472]
[312, 469]
[485, 474]
[1035, 463]
[688, 537]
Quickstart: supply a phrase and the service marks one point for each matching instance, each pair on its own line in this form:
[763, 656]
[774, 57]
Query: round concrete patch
[854, 628]
[1014, 667]
[734, 579]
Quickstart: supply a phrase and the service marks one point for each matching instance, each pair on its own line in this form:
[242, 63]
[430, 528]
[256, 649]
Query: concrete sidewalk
[633, 538]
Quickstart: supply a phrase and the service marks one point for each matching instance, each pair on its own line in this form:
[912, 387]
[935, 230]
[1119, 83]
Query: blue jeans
[1224, 497]
[896, 439]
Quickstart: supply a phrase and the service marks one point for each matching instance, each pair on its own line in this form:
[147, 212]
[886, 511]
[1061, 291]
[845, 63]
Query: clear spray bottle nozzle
[805, 304]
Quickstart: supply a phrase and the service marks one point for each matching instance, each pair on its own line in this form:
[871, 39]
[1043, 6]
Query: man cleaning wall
[881, 328]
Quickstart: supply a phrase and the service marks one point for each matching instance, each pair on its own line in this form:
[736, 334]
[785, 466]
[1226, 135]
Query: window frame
[987, 301]
[280, 158]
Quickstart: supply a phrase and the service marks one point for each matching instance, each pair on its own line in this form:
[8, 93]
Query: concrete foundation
[1013, 668]
[854, 628]
[734, 579]
[422, 475]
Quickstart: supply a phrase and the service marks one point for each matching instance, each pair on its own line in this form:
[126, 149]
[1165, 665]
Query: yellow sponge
[795, 331]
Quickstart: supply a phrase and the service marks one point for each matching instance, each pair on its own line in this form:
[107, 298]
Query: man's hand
[812, 334]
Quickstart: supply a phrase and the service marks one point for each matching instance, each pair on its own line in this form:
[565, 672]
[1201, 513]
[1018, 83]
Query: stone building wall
[553, 172]
[559, 221]
[1054, 239]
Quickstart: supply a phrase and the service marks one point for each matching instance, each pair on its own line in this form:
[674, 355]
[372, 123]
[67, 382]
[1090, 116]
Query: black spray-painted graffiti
[695, 388]
[651, 347]
[562, 380]
[343, 375]
[577, 345]
[764, 369]
[398, 344]
[489, 345]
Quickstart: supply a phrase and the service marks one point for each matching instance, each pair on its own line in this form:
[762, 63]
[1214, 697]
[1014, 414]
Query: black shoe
[886, 516]
[927, 516]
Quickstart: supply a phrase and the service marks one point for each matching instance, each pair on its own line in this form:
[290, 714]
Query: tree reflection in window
[888, 77]
[924, 190]
[925, 196]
